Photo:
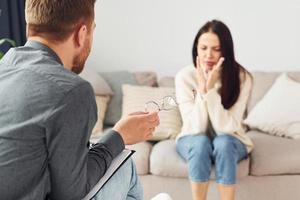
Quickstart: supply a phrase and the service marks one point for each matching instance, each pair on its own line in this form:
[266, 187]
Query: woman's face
[209, 50]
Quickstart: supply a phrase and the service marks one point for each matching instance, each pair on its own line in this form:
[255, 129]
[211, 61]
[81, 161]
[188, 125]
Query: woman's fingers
[219, 63]
[199, 68]
[197, 63]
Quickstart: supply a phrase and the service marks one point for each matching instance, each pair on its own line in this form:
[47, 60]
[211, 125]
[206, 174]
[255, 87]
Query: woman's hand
[201, 77]
[214, 74]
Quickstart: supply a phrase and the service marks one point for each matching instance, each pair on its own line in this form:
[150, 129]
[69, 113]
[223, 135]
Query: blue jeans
[200, 152]
[124, 184]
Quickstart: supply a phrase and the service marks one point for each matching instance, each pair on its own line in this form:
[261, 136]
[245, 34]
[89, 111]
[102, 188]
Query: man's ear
[80, 36]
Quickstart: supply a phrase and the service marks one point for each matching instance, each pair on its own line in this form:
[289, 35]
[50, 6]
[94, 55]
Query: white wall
[158, 34]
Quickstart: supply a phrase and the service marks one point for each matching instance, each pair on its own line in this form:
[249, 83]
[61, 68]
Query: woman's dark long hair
[230, 73]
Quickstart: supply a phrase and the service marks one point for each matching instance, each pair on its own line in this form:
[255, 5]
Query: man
[47, 112]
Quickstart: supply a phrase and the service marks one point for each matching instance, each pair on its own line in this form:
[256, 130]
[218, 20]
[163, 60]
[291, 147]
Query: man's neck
[61, 50]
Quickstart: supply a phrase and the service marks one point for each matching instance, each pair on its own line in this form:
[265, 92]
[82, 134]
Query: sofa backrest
[262, 81]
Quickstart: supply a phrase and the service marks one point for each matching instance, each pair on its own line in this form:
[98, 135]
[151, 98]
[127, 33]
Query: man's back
[35, 89]
[47, 113]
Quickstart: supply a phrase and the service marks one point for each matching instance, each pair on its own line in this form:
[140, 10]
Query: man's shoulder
[58, 76]
[42, 69]
[38, 72]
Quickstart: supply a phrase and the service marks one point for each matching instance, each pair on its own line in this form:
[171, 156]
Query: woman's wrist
[209, 87]
[202, 90]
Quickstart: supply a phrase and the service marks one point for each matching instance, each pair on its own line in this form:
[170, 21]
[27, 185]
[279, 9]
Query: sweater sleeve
[191, 105]
[228, 120]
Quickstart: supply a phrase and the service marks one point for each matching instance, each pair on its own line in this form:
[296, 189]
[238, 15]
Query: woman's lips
[209, 66]
[209, 63]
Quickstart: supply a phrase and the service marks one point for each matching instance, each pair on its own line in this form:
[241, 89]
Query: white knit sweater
[196, 110]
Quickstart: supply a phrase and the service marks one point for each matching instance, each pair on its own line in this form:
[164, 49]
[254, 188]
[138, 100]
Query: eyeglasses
[166, 103]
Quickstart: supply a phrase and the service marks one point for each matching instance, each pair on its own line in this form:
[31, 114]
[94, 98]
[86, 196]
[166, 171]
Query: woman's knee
[198, 157]
[195, 147]
[200, 141]
[224, 144]
[200, 145]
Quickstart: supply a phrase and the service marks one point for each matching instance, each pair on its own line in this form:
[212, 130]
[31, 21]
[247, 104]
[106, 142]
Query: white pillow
[102, 102]
[134, 99]
[278, 113]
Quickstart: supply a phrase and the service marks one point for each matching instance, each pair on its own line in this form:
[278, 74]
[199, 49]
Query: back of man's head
[56, 20]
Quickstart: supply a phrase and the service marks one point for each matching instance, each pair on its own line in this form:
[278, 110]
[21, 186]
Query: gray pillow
[99, 85]
[115, 80]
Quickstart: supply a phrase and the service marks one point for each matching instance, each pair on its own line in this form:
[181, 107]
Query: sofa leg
[199, 190]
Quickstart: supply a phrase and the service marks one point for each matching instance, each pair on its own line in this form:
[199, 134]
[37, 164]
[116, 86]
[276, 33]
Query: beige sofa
[272, 171]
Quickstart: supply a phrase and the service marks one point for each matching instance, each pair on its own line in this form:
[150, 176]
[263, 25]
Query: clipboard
[116, 163]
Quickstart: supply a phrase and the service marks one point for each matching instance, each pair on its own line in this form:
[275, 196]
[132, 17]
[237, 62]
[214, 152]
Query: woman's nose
[208, 53]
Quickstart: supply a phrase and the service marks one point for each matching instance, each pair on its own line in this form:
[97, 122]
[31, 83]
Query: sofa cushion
[141, 156]
[274, 155]
[164, 161]
[262, 81]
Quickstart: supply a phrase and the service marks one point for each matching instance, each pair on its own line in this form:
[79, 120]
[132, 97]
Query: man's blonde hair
[57, 19]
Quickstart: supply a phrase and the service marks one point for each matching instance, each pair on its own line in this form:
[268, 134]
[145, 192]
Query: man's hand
[137, 127]
[214, 74]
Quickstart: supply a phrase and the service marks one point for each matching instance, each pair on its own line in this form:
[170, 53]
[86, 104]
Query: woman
[212, 97]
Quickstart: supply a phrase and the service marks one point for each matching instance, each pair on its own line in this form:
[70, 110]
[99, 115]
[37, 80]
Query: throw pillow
[279, 110]
[99, 85]
[101, 102]
[115, 81]
[146, 78]
[134, 99]
[166, 81]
